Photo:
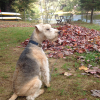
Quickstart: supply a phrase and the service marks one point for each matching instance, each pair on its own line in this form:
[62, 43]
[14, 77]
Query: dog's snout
[59, 32]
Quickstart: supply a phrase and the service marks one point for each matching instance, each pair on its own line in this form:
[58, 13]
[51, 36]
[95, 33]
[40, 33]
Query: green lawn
[13, 36]
[87, 25]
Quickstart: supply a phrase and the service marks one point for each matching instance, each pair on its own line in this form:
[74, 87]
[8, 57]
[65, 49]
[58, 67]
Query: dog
[33, 64]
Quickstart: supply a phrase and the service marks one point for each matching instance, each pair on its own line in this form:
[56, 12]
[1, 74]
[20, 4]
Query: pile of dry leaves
[72, 39]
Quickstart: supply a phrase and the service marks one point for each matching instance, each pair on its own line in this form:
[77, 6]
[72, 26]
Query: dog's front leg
[46, 74]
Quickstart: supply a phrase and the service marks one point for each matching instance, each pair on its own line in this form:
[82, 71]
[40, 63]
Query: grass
[4, 75]
[14, 35]
[90, 58]
[87, 25]
[75, 87]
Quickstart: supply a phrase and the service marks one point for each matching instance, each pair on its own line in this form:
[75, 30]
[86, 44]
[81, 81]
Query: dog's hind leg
[14, 96]
[36, 94]
[35, 90]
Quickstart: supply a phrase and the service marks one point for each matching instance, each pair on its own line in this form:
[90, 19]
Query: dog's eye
[48, 29]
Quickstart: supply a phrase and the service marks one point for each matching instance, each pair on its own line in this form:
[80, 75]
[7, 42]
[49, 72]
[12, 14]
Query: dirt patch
[4, 24]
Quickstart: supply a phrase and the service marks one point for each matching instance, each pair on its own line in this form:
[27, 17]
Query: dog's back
[27, 68]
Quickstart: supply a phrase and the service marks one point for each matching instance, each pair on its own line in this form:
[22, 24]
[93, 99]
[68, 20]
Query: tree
[34, 13]
[24, 7]
[70, 5]
[48, 8]
[23, 4]
[90, 5]
[6, 5]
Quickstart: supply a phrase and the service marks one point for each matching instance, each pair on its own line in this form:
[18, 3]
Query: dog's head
[46, 31]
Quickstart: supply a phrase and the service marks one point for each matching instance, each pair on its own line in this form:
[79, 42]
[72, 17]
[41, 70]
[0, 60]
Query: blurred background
[45, 10]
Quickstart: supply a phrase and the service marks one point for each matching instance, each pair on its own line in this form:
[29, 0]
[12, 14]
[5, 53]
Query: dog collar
[33, 42]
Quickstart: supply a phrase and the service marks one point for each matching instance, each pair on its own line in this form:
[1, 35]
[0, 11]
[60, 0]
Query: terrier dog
[33, 64]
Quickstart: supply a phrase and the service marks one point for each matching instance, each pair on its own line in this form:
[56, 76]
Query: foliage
[90, 5]
[70, 5]
[48, 8]
[33, 14]
[23, 4]
[25, 7]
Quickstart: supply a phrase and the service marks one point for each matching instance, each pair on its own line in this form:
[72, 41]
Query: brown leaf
[83, 68]
[67, 74]
[98, 71]
[83, 99]
[95, 93]
[60, 55]
[91, 71]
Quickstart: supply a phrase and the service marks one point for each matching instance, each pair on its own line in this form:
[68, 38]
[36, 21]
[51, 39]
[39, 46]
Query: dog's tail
[14, 96]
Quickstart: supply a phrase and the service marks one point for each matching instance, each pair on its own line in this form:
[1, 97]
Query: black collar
[33, 42]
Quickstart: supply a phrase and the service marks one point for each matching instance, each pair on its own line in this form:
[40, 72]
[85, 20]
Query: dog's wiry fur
[32, 64]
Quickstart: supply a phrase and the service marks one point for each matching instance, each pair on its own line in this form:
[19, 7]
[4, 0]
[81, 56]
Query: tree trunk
[82, 15]
[91, 20]
[86, 16]
[24, 15]
[92, 14]
[46, 12]
[41, 10]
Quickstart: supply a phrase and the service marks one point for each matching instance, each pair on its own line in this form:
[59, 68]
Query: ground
[74, 87]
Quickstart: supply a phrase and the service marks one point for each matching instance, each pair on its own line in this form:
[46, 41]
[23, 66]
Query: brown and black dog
[33, 64]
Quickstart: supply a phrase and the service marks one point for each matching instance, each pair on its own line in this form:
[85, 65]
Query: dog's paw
[29, 98]
[47, 85]
[11, 99]
[41, 91]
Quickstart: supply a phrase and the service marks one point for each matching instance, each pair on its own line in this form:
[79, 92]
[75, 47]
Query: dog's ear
[39, 27]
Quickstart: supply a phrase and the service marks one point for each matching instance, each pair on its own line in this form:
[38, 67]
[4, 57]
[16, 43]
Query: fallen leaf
[60, 55]
[66, 53]
[83, 68]
[95, 93]
[89, 65]
[96, 75]
[96, 68]
[62, 73]
[67, 74]
[91, 71]
[83, 99]
[83, 73]
[98, 71]
[19, 46]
